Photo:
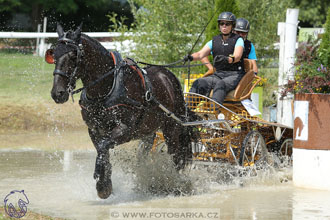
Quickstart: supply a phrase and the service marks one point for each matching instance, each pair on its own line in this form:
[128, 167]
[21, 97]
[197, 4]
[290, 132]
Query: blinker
[49, 56]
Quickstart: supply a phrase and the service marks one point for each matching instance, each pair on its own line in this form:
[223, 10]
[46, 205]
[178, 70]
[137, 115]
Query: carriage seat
[245, 86]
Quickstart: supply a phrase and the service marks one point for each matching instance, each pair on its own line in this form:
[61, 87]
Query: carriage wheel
[253, 150]
[286, 150]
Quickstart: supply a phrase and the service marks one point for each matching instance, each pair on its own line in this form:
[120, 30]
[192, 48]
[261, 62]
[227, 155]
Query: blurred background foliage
[166, 30]
[25, 15]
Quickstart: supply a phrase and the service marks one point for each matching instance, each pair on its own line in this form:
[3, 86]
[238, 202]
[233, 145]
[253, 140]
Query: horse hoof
[96, 176]
[104, 189]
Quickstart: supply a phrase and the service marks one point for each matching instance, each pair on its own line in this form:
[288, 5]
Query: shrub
[324, 51]
[311, 75]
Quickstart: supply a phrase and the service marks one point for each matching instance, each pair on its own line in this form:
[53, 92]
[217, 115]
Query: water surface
[61, 184]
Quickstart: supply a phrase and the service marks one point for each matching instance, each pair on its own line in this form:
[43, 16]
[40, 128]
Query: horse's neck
[96, 65]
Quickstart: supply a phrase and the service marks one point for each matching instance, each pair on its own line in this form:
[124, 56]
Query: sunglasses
[240, 32]
[225, 23]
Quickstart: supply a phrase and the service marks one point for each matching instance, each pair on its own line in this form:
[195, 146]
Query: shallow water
[61, 184]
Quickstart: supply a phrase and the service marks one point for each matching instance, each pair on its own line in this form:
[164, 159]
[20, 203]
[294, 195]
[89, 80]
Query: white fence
[41, 46]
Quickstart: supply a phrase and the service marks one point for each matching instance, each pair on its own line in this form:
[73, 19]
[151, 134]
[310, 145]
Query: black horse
[120, 101]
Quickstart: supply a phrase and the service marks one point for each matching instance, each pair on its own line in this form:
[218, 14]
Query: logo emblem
[15, 204]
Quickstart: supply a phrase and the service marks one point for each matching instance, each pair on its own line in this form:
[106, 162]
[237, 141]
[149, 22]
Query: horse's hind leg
[177, 144]
[102, 173]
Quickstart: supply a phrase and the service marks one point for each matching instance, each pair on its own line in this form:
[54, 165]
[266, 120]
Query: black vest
[247, 48]
[221, 47]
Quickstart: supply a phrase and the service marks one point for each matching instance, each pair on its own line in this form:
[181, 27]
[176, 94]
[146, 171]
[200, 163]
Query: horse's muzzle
[60, 96]
[59, 91]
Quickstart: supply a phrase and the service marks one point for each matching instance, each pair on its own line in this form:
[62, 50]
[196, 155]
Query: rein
[171, 65]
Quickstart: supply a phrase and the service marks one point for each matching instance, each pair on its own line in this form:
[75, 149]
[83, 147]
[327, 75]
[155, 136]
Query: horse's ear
[77, 33]
[49, 56]
[59, 30]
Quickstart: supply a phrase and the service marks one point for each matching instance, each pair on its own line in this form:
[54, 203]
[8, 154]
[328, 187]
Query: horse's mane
[97, 45]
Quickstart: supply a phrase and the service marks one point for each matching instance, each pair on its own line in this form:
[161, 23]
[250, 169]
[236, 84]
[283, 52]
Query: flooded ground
[60, 184]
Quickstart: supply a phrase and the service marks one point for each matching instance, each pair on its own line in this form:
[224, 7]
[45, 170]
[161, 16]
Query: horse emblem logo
[301, 120]
[15, 204]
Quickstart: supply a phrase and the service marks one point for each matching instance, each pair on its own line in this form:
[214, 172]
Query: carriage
[228, 132]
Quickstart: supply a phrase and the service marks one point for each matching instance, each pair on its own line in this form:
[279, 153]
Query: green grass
[24, 78]
[25, 100]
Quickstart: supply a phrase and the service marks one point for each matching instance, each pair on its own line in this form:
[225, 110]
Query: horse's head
[66, 56]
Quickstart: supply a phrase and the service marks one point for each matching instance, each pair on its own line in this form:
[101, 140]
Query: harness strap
[166, 111]
[140, 75]
[117, 106]
[60, 72]
[144, 78]
[116, 57]
[113, 57]
[132, 64]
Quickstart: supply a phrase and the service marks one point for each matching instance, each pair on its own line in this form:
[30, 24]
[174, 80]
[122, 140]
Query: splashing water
[155, 174]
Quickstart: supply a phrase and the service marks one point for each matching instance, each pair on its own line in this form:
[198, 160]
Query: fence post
[42, 41]
[38, 40]
[284, 110]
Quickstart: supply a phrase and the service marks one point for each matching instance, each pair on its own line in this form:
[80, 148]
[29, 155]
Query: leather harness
[117, 96]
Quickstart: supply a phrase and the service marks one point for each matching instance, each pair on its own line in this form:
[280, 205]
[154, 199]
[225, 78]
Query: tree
[324, 50]
[312, 13]
[68, 12]
[263, 24]
[8, 5]
[218, 7]
[166, 30]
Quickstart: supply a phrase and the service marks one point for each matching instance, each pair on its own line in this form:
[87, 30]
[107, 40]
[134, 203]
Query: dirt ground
[43, 126]
[17, 118]
[28, 216]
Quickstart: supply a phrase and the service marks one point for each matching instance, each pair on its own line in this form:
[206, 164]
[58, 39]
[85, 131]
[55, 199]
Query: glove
[221, 60]
[208, 73]
[188, 57]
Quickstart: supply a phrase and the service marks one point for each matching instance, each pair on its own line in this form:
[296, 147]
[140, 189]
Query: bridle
[72, 77]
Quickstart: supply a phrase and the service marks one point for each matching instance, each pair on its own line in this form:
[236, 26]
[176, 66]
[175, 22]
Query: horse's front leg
[103, 143]
[102, 173]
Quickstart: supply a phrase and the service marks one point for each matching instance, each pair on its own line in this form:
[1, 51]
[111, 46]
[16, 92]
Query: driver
[227, 50]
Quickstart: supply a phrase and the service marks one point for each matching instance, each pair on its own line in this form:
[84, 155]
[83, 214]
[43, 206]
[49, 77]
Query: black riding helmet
[242, 25]
[227, 16]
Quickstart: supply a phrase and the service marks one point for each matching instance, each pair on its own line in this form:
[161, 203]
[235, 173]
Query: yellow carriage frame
[228, 132]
